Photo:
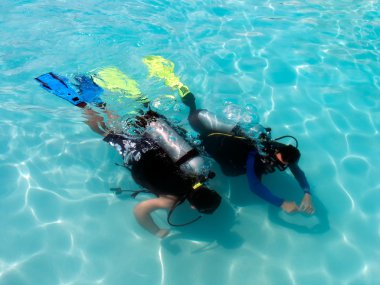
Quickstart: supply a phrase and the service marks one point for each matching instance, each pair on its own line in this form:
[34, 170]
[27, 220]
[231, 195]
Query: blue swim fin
[60, 87]
[89, 90]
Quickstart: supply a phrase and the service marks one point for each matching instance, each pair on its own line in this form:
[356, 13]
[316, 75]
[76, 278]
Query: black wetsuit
[235, 155]
[230, 152]
[156, 171]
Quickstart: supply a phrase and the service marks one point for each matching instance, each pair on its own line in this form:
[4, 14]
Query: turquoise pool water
[310, 68]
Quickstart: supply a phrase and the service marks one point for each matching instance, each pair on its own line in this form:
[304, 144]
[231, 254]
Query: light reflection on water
[308, 69]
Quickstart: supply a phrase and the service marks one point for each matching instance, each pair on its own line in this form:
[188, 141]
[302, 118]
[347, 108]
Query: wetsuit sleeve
[300, 176]
[256, 186]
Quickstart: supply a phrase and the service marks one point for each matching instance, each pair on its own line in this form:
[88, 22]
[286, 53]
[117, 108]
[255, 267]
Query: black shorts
[131, 148]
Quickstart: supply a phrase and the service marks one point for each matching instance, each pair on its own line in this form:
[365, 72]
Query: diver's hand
[307, 204]
[161, 233]
[289, 207]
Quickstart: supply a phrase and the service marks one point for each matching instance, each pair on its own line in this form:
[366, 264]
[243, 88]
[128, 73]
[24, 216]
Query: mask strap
[288, 136]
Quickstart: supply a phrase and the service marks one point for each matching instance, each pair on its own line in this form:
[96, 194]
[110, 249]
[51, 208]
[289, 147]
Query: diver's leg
[96, 122]
[189, 101]
[202, 120]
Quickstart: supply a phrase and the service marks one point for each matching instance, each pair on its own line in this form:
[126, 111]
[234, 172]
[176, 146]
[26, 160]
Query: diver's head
[205, 200]
[289, 154]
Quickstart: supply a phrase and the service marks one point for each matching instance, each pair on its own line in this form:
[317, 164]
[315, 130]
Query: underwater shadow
[318, 223]
[284, 185]
[210, 231]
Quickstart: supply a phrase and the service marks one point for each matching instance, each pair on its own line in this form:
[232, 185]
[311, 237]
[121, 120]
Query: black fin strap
[43, 83]
[59, 79]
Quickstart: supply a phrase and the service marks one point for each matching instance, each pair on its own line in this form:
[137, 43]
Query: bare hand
[162, 233]
[289, 207]
[306, 204]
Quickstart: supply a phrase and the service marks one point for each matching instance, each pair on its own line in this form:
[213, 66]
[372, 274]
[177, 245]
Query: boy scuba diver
[159, 159]
[236, 152]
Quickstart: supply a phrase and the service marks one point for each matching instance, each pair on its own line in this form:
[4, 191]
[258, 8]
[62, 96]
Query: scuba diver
[239, 154]
[236, 152]
[158, 157]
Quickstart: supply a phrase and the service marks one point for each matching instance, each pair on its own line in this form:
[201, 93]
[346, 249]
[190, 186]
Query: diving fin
[89, 90]
[60, 87]
[113, 79]
[164, 69]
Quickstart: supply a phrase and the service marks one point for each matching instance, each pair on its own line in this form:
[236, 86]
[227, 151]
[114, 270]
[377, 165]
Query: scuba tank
[176, 147]
[183, 155]
[212, 123]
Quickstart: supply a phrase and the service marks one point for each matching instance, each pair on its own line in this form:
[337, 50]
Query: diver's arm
[143, 212]
[96, 121]
[300, 176]
[256, 186]
[306, 203]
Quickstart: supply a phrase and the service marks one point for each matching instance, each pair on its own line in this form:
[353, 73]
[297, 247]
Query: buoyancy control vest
[229, 145]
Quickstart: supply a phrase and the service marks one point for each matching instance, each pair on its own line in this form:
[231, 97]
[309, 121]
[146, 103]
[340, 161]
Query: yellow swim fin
[164, 69]
[113, 79]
